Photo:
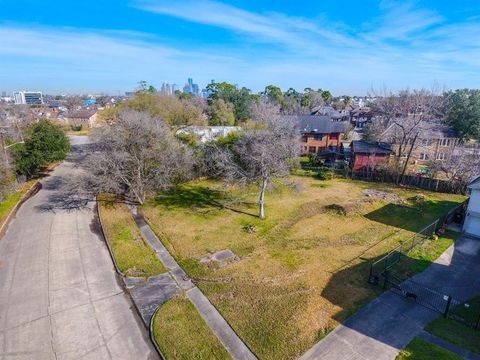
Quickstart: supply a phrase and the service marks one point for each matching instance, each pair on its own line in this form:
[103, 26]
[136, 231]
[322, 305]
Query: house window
[304, 138]
[312, 149]
[444, 142]
[441, 156]
[317, 136]
[427, 142]
[424, 156]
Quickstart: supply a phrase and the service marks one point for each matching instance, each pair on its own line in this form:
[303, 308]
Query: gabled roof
[80, 114]
[428, 130]
[320, 124]
[371, 147]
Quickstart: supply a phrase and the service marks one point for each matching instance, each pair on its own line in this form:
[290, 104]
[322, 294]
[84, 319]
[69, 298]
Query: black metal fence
[388, 261]
[382, 273]
[466, 313]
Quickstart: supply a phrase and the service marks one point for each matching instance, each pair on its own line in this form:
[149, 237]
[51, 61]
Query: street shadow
[70, 191]
[202, 199]
[410, 217]
[389, 317]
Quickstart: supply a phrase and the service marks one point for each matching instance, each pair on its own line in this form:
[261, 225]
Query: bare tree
[135, 154]
[405, 115]
[265, 151]
[460, 168]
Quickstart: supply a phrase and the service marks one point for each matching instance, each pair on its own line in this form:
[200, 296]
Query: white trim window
[445, 142]
[426, 142]
[442, 156]
[424, 157]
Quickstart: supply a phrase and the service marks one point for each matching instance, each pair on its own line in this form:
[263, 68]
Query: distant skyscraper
[174, 88]
[191, 88]
[195, 90]
[4, 94]
[28, 98]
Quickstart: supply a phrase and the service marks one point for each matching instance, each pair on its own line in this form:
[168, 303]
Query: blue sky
[349, 47]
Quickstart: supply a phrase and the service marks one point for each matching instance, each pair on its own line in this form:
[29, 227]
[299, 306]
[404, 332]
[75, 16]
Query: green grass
[181, 333]
[12, 199]
[419, 349]
[425, 254]
[133, 255]
[304, 268]
[457, 333]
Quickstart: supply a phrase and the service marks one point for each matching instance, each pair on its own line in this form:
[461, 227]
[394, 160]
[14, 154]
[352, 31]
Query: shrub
[45, 143]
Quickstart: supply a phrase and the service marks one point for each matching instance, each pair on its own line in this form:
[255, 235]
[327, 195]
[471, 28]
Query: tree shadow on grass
[411, 218]
[203, 199]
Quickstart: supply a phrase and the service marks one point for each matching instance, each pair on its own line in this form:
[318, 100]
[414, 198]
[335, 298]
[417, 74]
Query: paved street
[387, 324]
[59, 295]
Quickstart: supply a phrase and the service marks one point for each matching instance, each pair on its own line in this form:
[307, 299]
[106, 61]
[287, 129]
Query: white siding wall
[474, 203]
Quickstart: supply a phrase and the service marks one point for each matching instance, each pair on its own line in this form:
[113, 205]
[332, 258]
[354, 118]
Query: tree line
[226, 105]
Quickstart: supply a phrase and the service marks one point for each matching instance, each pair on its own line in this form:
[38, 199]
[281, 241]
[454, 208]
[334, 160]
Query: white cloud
[404, 46]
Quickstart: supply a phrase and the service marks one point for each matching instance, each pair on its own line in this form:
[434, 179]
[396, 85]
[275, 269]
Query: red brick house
[319, 133]
[368, 155]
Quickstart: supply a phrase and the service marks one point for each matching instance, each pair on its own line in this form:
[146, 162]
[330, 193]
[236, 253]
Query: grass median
[12, 199]
[457, 333]
[132, 254]
[419, 349]
[181, 333]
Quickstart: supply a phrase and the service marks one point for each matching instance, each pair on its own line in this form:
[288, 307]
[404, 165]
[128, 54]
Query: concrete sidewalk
[386, 325]
[234, 345]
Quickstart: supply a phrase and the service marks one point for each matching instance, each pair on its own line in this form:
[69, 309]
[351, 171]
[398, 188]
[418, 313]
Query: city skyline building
[28, 97]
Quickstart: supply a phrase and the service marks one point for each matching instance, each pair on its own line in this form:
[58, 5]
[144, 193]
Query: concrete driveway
[386, 325]
[59, 295]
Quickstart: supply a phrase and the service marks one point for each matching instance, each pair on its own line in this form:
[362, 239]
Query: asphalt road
[59, 295]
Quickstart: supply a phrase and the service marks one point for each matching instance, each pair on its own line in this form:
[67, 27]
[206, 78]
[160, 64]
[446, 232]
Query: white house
[471, 226]
[208, 133]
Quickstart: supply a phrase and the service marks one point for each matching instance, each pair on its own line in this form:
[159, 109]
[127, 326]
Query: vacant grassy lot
[456, 333]
[11, 200]
[419, 349]
[303, 269]
[182, 334]
[134, 257]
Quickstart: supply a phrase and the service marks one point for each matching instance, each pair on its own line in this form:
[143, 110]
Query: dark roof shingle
[321, 124]
[371, 147]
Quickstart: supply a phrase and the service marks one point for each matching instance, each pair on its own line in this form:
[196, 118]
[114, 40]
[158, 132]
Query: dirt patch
[382, 195]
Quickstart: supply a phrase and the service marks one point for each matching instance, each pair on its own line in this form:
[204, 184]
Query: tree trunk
[261, 201]
[407, 160]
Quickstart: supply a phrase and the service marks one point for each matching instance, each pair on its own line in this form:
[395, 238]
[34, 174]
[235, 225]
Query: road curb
[152, 337]
[32, 191]
[123, 276]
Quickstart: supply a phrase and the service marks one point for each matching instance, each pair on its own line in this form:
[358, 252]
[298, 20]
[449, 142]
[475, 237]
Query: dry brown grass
[304, 268]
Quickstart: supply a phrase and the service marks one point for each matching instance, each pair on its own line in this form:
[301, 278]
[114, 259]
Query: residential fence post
[447, 308]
